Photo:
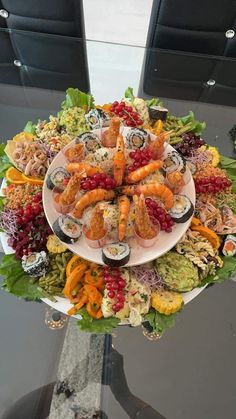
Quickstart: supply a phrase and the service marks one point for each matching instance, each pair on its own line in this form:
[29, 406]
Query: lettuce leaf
[153, 102]
[229, 165]
[30, 127]
[4, 161]
[16, 281]
[197, 127]
[74, 97]
[88, 324]
[160, 322]
[222, 273]
[129, 94]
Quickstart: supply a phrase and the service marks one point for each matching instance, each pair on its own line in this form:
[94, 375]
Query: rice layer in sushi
[35, 264]
[57, 178]
[137, 138]
[182, 209]
[116, 254]
[67, 228]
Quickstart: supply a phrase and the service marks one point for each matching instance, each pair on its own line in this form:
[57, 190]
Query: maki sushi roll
[116, 254]
[67, 228]
[90, 141]
[35, 264]
[174, 162]
[182, 209]
[158, 112]
[97, 118]
[137, 138]
[58, 178]
[229, 247]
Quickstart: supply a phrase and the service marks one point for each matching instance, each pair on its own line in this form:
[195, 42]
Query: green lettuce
[4, 161]
[153, 102]
[197, 127]
[16, 281]
[229, 165]
[74, 97]
[30, 127]
[129, 94]
[88, 324]
[222, 273]
[160, 322]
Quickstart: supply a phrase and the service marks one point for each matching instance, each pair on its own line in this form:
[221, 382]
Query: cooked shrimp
[109, 137]
[97, 228]
[157, 146]
[156, 189]
[87, 168]
[119, 160]
[68, 195]
[142, 220]
[124, 207]
[91, 197]
[144, 171]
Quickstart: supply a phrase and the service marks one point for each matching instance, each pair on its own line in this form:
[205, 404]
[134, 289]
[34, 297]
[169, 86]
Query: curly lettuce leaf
[229, 165]
[153, 102]
[30, 127]
[129, 94]
[74, 97]
[16, 281]
[160, 322]
[88, 324]
[4, 161]
[222, 273]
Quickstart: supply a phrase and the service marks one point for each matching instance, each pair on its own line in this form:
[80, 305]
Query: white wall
[117, 66]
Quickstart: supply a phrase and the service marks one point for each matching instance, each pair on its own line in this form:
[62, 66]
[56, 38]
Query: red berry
[132, 154]
[25, 220]
[108, 278]
[119, 305]
[115, 286]
[109, 286]
[115, 308]
[120, 297]
[121, 283]
[111, 294]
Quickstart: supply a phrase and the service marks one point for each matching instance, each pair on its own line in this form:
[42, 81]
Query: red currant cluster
[140, 157]
[127, 113]
[213, 184]
[33, 229]
[115, 285]
[159, 215]
[98, 180]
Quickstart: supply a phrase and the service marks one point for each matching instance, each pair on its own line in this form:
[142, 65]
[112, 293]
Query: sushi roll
[35, 264]
[137, 138]
[58, 178]
[192, 167]
[174, 162]
[182, 209]
[91, 141]
[116, 254]
[97, 118]
[229, 247]
[67, 228]
[158, 112]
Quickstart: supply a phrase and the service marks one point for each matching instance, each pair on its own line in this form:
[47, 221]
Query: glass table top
[65, 373]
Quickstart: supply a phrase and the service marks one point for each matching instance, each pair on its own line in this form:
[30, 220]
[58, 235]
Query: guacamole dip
[177, 272]
[73, 119]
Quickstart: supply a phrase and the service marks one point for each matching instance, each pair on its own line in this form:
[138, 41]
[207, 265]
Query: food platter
[115, 214]
[138, 256]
